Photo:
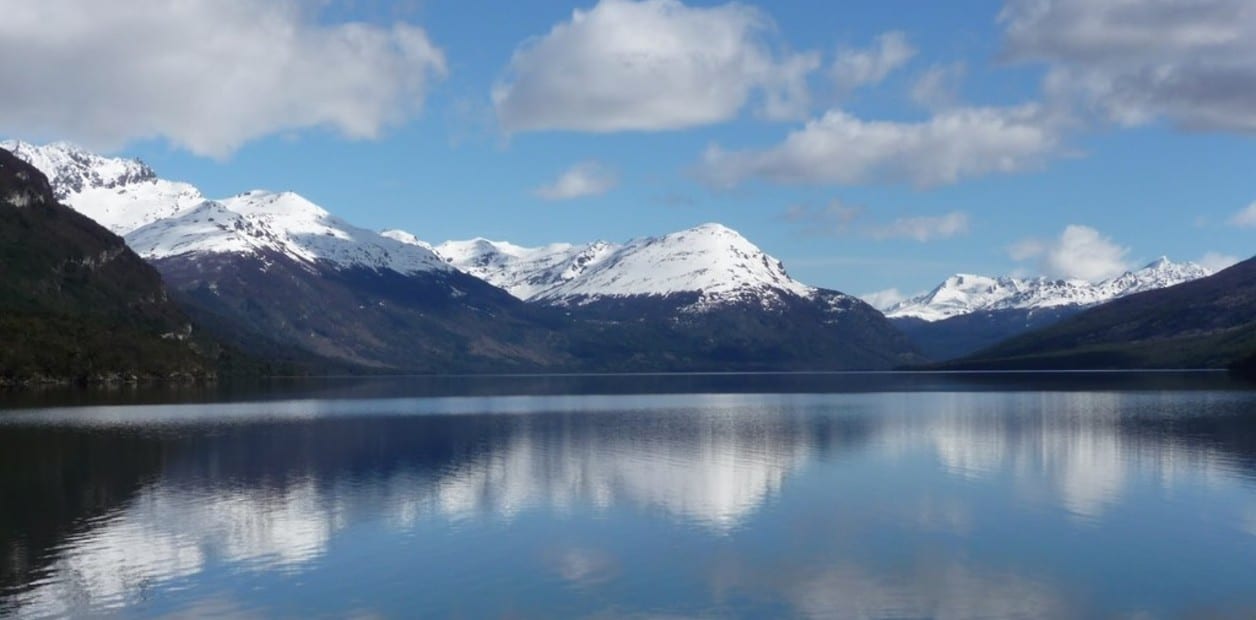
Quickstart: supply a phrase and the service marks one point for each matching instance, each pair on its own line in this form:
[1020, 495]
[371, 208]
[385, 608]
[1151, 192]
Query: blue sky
[1038, 120]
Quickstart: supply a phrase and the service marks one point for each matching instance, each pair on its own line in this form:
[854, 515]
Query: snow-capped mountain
[276, 274]
[161, 219]
[964, 294]
[524, 272]
[711, 260]
[119, 194]
[704, 298]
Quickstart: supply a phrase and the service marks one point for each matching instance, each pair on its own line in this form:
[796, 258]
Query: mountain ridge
[967, 293]
[274, 267]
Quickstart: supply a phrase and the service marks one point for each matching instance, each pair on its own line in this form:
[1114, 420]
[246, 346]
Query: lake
[1061, 495]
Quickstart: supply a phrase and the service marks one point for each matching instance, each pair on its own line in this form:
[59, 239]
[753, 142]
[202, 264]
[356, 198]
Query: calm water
[828, 496]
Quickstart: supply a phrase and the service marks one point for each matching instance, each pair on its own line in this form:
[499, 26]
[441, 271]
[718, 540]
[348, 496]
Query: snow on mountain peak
[963, 294]
[119, 194]
[160, 218]
[522, 271]
[405, 237]
[283, 222]
[712, 260]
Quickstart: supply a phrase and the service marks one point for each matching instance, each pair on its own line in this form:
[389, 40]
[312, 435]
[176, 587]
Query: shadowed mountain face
[1206, 323]
[442, 321]
[75, 302]
[966, 334]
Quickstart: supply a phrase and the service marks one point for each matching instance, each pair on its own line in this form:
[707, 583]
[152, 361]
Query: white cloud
[1215, 261]
[841, 149]
[588, 178]
[649, 65]
[883, 300]
[1079, 252]
[1246, 217]
[938, 88]
[854, 68]
[923, 228]
[1193, 62]
[207, 75]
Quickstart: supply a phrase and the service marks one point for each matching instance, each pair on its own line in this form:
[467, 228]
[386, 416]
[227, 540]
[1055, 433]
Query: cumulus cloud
[1215, 261]
[938, 88]
[588, 178]
[853, 68]
[883, 300]
[838, 148]
[923, 228]
[1080, 252]
[206, 75]
[650, 65]
[1190, 61]
[1246, 217]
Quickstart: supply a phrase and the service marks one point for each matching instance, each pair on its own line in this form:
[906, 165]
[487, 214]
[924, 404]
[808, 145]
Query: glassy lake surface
[827, 496]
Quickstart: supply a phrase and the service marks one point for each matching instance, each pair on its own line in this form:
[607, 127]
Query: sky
[872, 146]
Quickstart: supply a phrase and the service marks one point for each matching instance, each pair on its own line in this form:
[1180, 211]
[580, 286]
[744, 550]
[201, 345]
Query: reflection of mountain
[117, 513]
[57, 482]
[272, 495]
[1081, 445]
[712, 471]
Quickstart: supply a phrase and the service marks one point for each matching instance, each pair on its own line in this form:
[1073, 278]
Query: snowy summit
[710, 259]
[963, 294]
[161, 219]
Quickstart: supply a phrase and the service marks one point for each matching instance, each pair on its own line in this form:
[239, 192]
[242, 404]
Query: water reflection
[960, 504]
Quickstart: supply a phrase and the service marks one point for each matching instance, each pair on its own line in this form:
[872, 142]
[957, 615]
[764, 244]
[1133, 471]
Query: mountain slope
[274, 273]
[269, 271]
[524, 272]
[965, 293]
[699, 299]
[119, 194]
[967, 313]
[75, 303]
[1207, 323]
[711, 260]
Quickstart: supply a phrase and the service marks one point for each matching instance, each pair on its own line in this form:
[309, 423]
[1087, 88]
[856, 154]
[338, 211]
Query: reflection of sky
[911, 505]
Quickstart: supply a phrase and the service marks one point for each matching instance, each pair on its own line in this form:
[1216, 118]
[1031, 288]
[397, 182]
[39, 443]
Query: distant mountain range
[963, 294]
[273, 271]
[280, 278]
[966, 313]
[1205, 323]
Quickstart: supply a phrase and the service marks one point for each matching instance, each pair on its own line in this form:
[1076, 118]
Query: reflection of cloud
[715, 478]
[1070, 443]
[947, 592]
[713, 470]
[582, 566]
[109, 567]
[168, 533]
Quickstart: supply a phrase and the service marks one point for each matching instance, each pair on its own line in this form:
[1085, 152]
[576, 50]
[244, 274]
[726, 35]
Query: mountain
[119, 194]
[274, 271]
[966, 313]
[965, 294]
[75, 303]
[289, 271]
[702, 298]
[525, 273]
[1205, 323]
